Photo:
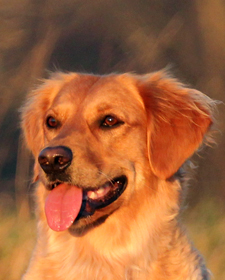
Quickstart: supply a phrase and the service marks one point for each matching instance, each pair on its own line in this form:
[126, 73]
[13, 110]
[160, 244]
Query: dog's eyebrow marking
[104, 107]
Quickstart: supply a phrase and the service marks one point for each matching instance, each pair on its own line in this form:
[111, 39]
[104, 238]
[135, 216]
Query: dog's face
[98, 141]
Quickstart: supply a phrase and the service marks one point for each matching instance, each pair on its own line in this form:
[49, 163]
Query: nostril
[43, 160]
[55, 159]
[61, 160]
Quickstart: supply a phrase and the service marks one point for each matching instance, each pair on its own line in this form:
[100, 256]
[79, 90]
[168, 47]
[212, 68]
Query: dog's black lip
[89, 206]
[55, 183]
[117, 185]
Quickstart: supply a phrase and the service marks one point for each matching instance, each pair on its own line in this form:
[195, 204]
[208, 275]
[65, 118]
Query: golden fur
[140, 236]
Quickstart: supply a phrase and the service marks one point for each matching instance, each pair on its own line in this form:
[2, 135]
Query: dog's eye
[51, 122]
[110, 121]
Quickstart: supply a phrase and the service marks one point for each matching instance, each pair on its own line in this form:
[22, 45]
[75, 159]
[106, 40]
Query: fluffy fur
[162, 124]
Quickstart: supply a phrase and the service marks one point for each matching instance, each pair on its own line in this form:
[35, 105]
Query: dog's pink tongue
[62, 206]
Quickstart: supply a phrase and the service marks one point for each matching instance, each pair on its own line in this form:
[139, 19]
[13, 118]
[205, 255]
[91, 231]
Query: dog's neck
[132, 251]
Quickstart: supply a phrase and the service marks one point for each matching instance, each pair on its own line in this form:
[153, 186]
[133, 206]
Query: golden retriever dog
[108, 153]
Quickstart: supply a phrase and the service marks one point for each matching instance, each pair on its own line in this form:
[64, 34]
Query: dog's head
[99, 140]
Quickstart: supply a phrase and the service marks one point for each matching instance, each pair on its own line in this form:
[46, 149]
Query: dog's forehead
[90, 89]
[76, 89]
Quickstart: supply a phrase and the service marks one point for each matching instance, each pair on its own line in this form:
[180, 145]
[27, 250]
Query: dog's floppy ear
[32, 118]
[34, 110]
[32, 126]
[178, 118]
[33, 114]
[32, 121]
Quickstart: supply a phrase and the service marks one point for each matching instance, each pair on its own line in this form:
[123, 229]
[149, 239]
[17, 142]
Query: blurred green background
[102, 36]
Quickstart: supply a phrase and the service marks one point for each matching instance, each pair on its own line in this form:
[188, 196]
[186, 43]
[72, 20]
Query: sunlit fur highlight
[143, 238]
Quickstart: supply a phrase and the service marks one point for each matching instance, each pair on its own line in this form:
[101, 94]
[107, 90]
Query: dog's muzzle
[68, 203]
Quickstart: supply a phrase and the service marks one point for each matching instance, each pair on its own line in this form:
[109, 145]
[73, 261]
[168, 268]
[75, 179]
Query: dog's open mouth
[66, 203]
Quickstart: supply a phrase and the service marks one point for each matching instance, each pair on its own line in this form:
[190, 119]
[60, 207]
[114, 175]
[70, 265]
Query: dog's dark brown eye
[52, 122]
[110, 121]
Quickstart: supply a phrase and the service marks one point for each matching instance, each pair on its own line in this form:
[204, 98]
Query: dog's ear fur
[32, 121]
[34, 110]
[32, 118]
[178, 118]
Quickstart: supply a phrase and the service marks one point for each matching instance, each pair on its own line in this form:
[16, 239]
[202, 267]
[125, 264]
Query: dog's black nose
[55, 159]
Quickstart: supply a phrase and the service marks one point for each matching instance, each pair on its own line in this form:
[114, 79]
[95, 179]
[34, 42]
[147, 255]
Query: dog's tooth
[100, 191]
[92, 195]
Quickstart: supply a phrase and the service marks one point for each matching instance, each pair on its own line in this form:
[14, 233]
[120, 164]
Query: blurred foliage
[206, 225]
[17, 236]
[102, 36]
